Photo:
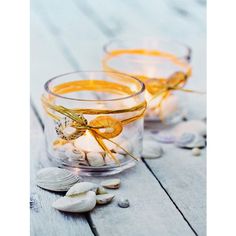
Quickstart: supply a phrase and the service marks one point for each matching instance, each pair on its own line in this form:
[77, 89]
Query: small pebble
[196, 151]
[123, 203]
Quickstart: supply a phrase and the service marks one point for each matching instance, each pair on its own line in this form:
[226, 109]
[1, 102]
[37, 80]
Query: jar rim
[48, 90]
[187, 55]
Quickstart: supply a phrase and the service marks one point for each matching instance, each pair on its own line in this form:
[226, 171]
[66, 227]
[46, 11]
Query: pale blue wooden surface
[69, 35]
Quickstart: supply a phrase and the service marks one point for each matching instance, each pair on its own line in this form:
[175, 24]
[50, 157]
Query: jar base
[92, 171]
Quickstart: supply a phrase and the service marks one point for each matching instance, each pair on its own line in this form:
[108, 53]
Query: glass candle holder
[162, 65]
[94, 121]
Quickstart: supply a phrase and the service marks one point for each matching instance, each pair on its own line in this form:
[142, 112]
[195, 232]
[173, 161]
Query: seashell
[128, 146]
[184, 139]
[87, 143]
[165, 137]
[95, 159]
[101, 190]
[75, 154]
[81, 203]
[110, 161]
[104, 198]
[198, 142]
[151, 149]
[69, 131]
[81, 188]
[56, 179]
[65, 147]
[111, 183]
[123, 203]
[191, 126]
[196, 151]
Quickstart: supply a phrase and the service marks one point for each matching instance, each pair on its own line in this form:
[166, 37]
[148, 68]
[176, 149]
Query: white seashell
[128, 146]
[196, 151]
[109, 161]
[104, 198]
[81, 188]
[191, 126]
[198, 142]
[184, 139]
[75, 154]
[101, 190]
[81, 203]
[123, 202]
[87, 143]
[95, 159]
[56, 179]
[151, 149]
[111, 183]
[65, 147]
[68, 131]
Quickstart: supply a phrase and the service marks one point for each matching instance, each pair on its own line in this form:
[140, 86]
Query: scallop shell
[104, 198]
[95, 159]
[81, 188]
[151, 149]
[111, 183]
[81, 203]
[56, 179]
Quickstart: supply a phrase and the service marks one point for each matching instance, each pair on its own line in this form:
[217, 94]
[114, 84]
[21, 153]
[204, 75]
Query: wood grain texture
[71, 35]
[45, 220]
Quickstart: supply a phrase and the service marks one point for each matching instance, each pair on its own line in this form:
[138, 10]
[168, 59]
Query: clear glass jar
[94, 121]
[157, 63]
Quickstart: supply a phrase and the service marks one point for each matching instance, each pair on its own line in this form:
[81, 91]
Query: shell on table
[104, 198]
[75, 154]
[81, 188]
[56, 179]
[111, 183]
[81, 203]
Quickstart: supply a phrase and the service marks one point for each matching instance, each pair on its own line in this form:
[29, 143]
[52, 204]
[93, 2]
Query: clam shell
[101, 190]
[81, 203]
[104, 198]
[75, 154]
[111, 183]
[151, 149]
[81, 188]
[191, 126]
[198, 142]
[56, 179]
[95, 159]
[184, 139]
[110, 161]
[165, 137]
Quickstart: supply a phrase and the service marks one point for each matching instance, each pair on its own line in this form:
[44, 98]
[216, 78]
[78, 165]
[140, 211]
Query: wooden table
[167, 195]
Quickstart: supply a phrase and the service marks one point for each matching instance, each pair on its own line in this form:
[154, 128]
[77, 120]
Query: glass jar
[94, 121]
[161, 64]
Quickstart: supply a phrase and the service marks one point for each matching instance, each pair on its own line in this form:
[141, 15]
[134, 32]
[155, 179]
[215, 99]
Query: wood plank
[150, 213]
[45, 220]
[182, 175]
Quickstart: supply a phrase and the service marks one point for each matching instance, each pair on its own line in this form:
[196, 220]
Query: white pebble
[196, 151]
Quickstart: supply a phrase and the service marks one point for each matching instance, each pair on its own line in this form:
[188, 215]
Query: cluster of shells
[72, 153]
[188, 135]
[80, 196]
